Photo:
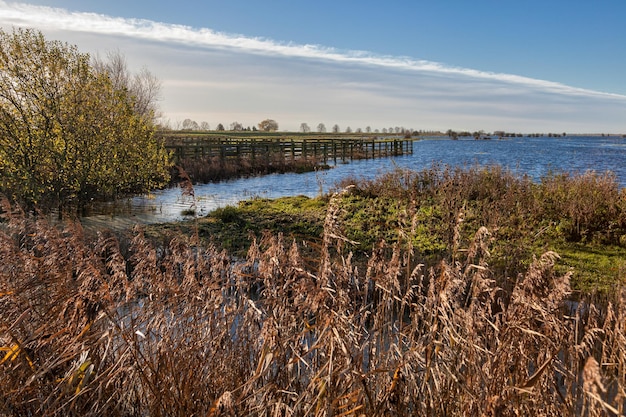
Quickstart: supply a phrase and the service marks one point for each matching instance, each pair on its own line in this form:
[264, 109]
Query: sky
[518, 66]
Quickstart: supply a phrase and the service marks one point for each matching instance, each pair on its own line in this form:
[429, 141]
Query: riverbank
[434, 212]
[414, 294]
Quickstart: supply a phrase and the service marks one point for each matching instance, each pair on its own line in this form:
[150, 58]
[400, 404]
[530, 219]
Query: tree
[268, 125]
[321, 128]
[236, 126]
[336, 128]
[67, 134]
[220, 127]
[189, 124]
[144, 87]
[368, 129]
[304, 128]
[348, 129]
[205, 126]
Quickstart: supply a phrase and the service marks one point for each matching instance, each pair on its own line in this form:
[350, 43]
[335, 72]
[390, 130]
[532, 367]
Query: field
[441, 292]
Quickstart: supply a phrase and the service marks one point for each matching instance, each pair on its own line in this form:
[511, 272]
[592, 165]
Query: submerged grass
[132, 326]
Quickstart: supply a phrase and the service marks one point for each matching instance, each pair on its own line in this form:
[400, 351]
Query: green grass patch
[230, 227]
[437, 212]
[594, 268]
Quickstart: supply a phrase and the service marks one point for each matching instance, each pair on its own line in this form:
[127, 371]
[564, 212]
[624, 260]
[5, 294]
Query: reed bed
[211, 169]
[580, 215]
[127, 326]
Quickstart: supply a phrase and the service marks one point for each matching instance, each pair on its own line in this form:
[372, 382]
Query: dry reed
[132, 327]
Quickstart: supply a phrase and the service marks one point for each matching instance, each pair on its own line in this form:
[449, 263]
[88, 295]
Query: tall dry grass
[133, 327]
[211, 169]
[588, 206]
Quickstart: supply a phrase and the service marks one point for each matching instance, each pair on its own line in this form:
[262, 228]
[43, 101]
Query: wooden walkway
[321, 149]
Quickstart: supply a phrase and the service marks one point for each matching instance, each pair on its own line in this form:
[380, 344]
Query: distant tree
[304, 128]
[477, 134]
[321, 128]
[336, 128]
[205, 126]
[368, 129]
[268, 125]
[358, 130]
[348, 129]
[384, 130]
[189, 124]
[220, 127]
[236, 126]
[68, 131]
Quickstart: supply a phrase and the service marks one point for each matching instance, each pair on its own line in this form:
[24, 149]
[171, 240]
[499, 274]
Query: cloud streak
[208, 75]
[60, 19]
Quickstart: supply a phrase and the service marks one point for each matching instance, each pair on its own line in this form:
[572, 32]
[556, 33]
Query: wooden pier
[323, 149]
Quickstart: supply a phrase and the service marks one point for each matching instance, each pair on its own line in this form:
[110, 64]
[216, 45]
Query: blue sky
[531, 66]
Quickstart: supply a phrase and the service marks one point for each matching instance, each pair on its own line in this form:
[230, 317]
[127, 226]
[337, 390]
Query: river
[533, 156]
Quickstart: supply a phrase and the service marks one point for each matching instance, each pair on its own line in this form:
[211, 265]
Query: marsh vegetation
[438, 292]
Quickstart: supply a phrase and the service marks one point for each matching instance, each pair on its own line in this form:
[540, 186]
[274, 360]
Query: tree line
[270, 125]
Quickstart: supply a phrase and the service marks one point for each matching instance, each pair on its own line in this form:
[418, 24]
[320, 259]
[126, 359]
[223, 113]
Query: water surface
[532, 156]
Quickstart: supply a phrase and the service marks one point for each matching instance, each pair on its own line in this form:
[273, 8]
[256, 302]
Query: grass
[425, 212]
[594, 268]
[230, 227]
[172, 324]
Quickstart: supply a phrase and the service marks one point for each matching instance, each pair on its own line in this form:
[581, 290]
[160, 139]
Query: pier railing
[322, 149]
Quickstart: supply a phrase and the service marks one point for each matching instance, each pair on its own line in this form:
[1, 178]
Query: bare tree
[336, 128]
[236, 126]
[143, 86]
[146, 88]
[368, 129]
[205, 126]
[321, 128]
[304, 128]
[348, 129]
[189, 124]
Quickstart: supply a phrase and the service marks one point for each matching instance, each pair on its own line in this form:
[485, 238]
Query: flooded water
[533, 156]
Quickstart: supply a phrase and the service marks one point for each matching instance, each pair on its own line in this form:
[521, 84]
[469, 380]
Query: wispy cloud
[219, 77]
[60, 19]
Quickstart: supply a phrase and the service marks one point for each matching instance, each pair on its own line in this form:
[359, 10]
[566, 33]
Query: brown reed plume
[132, 327]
